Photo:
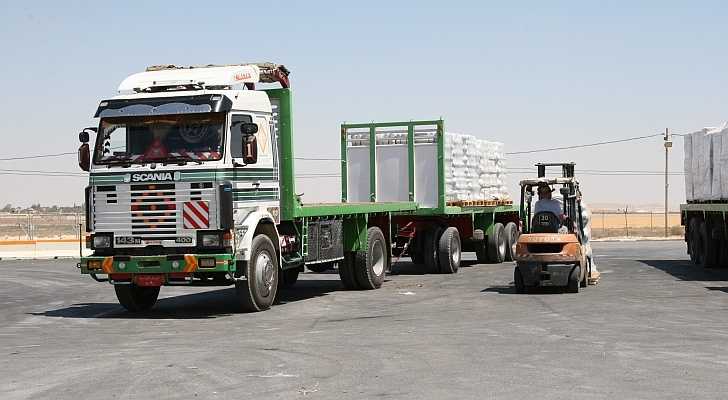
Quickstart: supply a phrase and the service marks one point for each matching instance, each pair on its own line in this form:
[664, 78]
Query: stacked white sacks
[474, 169]
[706, 164]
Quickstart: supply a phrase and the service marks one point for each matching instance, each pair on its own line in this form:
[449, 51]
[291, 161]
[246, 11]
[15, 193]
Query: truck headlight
[211, 240]
[101, 241]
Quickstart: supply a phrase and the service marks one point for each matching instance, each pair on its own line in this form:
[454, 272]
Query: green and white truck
[192, 182]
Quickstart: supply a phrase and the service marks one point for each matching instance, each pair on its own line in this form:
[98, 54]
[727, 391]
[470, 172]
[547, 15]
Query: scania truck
[192, 182]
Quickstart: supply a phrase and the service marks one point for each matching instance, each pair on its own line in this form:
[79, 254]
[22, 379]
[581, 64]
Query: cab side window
[236, 137]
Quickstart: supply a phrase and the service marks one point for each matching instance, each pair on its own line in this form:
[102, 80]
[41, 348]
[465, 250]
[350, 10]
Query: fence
[32, 226]
[634, 224]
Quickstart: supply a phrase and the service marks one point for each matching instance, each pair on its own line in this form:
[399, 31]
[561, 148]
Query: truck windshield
[162, 138]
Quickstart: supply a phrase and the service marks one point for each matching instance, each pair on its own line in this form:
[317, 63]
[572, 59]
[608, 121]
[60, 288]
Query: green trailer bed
[334, 209]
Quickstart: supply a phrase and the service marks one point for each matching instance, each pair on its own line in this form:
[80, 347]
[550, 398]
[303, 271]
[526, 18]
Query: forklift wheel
[518, 279]
[573, 286]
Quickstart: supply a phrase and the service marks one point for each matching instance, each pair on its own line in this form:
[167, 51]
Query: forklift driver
[546, 203]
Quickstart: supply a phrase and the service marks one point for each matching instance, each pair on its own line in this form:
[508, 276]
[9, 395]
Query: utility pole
[668, 145]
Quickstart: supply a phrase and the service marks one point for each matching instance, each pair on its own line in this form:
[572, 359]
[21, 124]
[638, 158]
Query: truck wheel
[694, 241]
[288, 277]
[432, 241]
[258, 291]
[708, 249]
[497, 244]
[511, 231]
[371, 265]
[573, 285]
[346, 271]
[136, 298]
[449, 251]
[481, 251]
[417, 258]
[518, 280]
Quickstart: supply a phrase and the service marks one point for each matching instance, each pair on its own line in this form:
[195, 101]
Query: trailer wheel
[449, 251]
[497, 244]
[288, 278]
[371, 265]
[518, 280]
[258, 291]
[481, 251]
[511, 231]
[136, 298]
[432, 241]
[694, 241]
[710, 249]
[573, 285]
[416, 250]
[346, 271]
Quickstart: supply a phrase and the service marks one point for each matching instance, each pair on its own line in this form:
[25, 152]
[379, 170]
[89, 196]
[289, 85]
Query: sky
[532, 75]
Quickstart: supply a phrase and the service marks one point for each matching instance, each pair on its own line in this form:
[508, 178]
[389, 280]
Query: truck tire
[694, 242]
[710, 249]
[415, 250]
[432, 241]
[371, 264]
[288, 278]
[511, 231]
[346, 271]
[481, 251]
[258, 291]
[497, 244]
[573, 285]
[136, 298]
[518, 281]
[449, 251]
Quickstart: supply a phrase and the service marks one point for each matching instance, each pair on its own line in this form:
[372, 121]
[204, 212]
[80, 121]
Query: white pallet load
[706, 160]
[474, 168]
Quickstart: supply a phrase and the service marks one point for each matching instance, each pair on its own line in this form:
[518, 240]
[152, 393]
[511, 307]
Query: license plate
[128, 240]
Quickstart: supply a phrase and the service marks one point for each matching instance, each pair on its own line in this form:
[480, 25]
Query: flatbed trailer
[231, 215]
[706, 232]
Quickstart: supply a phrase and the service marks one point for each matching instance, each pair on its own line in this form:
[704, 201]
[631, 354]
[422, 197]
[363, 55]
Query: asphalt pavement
[654, 328]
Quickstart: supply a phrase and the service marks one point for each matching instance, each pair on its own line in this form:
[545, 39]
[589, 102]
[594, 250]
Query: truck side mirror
[250, 149]
[248, 128]
[84, 157]
[83, 136]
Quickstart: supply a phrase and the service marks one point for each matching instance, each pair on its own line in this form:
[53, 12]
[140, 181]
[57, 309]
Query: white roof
[206, 76]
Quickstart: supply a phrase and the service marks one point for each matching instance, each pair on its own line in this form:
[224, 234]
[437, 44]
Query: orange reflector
[94, 264]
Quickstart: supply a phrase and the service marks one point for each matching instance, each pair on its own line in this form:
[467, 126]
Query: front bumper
[182, 264]
[537, 274]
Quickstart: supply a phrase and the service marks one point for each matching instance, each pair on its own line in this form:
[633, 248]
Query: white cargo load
[474, 168]
[706, 160]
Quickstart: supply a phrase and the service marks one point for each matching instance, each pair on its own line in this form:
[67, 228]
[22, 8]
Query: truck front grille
[150, 211]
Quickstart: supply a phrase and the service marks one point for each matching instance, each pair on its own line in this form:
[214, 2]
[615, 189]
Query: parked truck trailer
[192, 182]
[706, 182]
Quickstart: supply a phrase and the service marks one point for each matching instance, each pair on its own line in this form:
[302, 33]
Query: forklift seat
[545, 222]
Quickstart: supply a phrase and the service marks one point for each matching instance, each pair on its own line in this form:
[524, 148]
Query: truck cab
[183, 170]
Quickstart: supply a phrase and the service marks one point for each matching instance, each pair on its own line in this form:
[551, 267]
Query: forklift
[552, 249]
